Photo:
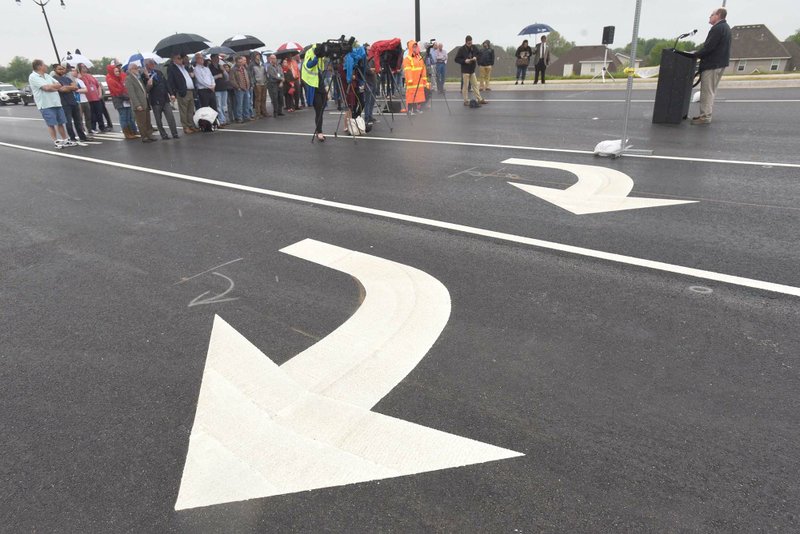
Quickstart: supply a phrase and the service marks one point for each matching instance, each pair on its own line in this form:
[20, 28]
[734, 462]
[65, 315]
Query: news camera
[335, 49]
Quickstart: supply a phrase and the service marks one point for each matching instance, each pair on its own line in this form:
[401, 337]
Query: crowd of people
[245, 88]
[71, 99]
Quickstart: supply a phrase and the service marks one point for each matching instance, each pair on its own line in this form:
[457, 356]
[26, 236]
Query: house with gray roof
[585, 60]
[755, 49]
[794, 50]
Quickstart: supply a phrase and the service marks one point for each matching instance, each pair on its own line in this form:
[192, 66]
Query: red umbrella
[290, 47]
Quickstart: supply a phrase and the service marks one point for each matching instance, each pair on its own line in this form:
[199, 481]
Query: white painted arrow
[598, 190]
[262, 430]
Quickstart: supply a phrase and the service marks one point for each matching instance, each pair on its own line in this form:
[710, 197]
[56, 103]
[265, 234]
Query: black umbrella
[219, 50]
[181, 43]
[242, 42]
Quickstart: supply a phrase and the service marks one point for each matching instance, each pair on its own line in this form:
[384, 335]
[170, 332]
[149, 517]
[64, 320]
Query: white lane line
[470, 230]
[404, 312]
[520, 147]
[635, 101]
[531, 148]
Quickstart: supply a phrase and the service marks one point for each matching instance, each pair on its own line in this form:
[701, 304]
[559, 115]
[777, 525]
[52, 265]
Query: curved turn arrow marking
[599, 189]
[262, 430]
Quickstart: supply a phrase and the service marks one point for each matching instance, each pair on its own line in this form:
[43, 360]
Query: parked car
[27, 95]
[9, 94]
[101, 78]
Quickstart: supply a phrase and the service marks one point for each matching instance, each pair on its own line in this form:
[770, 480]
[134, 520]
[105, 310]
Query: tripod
[334, 64]
[604, 72]
[371, 92]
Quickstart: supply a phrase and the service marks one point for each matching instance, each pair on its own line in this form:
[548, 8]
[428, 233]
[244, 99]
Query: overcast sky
[119, 28]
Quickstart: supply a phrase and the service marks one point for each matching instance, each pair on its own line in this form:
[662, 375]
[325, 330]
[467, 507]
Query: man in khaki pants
[485, 63]
[467, 57]
[714, 58]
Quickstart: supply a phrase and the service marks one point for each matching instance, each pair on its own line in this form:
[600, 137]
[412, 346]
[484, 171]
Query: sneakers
[701, 120]
[58, 144]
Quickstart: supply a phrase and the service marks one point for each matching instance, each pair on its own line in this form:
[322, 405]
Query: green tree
[795, 37]
[17, 71]
[558, 44]
[654, 57]
[101, 64]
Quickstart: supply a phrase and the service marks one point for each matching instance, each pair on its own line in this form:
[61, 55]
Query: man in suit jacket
[541, 59]
[138, 96]
[714, 58]
[180, 83]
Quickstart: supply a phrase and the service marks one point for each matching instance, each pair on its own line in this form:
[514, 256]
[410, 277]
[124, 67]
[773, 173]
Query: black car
[9, 94]
[26, 94]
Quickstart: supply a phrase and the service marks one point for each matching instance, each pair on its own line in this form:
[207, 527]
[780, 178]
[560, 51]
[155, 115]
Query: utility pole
[417, 33]
[42, 3]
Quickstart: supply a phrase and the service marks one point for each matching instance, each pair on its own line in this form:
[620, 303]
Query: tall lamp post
[42, 3]
[417, 33]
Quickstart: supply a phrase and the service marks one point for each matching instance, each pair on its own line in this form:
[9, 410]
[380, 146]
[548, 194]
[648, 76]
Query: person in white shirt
[45, 90]
[204, 83]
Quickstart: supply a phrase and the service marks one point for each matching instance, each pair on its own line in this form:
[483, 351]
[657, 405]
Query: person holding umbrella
[160, 99]
[541, 59]
[221, 87]
[181, 87]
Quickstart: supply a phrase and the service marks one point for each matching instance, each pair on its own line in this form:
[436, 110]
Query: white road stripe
[532, 148]
[470, 230]
[635, 101]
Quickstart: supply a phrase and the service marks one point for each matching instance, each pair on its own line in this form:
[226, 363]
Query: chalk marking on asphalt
[262, 430]
[182, 280]
[214, 299]
[532, 148]
[470, 230]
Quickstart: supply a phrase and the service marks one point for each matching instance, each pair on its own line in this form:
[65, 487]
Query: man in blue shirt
[45, 91]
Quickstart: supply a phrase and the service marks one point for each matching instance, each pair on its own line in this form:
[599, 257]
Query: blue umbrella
[139, 58]
[536, 28]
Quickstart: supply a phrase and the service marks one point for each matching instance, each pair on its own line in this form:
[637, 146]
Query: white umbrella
[74, 59]
[205, 113]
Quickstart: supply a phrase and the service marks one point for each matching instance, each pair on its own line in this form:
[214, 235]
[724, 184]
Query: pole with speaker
[608, 38]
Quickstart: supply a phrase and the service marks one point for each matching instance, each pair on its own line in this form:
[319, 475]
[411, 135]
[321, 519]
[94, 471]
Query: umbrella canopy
[290, 46]
[139, 59]
[181, 43]
[536, 28]
[74, 59]
[219, 50]
[242, 42]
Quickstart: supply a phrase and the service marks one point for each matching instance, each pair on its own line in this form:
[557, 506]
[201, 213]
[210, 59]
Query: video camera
[335, 49]
[430, 44]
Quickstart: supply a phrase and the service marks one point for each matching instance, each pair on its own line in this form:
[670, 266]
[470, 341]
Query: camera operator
[313, 75]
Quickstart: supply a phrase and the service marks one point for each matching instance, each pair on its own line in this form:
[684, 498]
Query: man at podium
[714, 57]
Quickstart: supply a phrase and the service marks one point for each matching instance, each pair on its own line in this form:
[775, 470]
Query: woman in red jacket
[122, 103]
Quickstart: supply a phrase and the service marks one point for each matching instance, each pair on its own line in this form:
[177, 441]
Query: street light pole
[417, 33]
[42, 3]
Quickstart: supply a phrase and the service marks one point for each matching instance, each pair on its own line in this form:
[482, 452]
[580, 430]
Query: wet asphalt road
[642, 400]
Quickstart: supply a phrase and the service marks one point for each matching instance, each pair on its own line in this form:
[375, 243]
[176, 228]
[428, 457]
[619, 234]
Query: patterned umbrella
[74, 59]
[291, 46]
[242, 42]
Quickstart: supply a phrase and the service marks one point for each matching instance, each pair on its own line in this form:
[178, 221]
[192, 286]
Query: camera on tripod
[428, 45]
[335, 49]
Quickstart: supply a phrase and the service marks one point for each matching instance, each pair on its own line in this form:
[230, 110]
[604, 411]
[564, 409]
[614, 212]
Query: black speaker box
[608, 35]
